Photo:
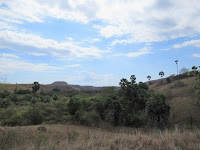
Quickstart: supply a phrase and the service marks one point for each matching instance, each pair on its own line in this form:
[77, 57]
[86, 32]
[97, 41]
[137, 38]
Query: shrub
[158, 110]
[55, 97]
[73, 105]
[88, 118]
[22, 91]
[4, 94]
[16, 120]
[56, 89]
[4, 103]
[13, 98]
[34, 116]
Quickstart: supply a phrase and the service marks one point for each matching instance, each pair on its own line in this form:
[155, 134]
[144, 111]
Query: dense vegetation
[133, 105]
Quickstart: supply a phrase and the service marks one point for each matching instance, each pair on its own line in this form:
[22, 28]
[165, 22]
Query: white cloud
[9, 55]
[35, 44]
[91, 78]
[95, 40]
[10, 65]
[138, 20]
[196, 55]
[38, 54]
[143, 51]
[195, 43]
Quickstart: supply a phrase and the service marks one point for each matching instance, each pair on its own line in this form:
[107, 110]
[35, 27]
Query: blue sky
[96, 42]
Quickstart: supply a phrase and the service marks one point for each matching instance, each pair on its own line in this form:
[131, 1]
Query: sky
[96, 42]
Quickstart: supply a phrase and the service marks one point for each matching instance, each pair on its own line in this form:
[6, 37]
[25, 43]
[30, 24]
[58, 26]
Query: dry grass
[181, 98]
[70, 137]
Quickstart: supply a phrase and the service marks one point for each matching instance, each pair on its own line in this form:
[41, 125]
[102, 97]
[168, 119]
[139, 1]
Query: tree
[183, 70]
[161, 74]
[194, 68]
[149, 77]
[55, 97]
[133, 102]
[176, 61]
[158, 110]
[35, 87]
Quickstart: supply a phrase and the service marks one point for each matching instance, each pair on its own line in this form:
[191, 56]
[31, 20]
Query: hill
[181, 97]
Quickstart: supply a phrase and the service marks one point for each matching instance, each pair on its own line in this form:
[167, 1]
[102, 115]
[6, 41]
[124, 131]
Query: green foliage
[133, 101]
[55, 97]
[4, 94]
[56, 89]
[22, 91]
[34, 116]
[35, 87]
[91, 118]
[13, 98]
[34, 100]
[73, 105]
[158, 110]
[4, 103]
[16, 120]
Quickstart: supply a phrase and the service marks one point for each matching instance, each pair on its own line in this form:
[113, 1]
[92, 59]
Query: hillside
[181, 97]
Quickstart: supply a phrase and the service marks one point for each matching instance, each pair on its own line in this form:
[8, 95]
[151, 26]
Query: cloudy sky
[96, 42]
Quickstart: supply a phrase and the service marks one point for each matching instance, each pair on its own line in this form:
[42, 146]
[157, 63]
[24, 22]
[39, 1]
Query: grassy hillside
[181, 97]
[70, 137]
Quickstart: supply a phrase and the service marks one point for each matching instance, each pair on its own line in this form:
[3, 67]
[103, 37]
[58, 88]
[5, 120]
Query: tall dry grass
[70, 137]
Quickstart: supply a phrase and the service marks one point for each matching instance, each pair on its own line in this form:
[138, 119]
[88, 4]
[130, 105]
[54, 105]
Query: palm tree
[161, 74]
[149, 77]
[176, 61]
[35, 87]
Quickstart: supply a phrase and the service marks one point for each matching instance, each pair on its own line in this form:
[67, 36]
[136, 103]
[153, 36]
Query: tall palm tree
[161, 74]
[176, 61]
[149, 77]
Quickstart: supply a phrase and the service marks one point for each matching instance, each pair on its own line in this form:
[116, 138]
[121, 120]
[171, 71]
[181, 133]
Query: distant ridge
[63, 83]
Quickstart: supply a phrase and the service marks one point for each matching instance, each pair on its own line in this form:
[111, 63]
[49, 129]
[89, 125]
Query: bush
[88, 118]
[13, 98]
[16, 120]
[56, 89]
[4, 103]
[158, 110]
[4, 94]
[22, 91]
[73, 105]
[34, 116]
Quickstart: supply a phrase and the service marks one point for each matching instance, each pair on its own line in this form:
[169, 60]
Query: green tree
[55, 97]
[133, 101]
[73, 105]
[35, 87]
[158, 110]
[4, 103]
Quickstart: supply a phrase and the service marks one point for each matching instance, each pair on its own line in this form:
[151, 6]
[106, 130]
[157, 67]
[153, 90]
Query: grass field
[71, 137]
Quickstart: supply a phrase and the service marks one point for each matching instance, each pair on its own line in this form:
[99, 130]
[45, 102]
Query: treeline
[132, 105]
